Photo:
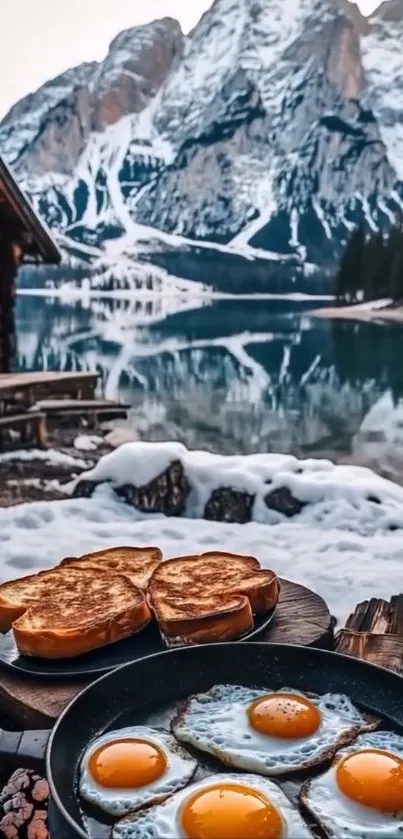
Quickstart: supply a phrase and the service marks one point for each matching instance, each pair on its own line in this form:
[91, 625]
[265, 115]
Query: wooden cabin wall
[9, 259]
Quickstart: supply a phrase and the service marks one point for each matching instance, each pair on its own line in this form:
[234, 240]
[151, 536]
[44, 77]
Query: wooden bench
[31, 426]
[27, 388]
[91, 409]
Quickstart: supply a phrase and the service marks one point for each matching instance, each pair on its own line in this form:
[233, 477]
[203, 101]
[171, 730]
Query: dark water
[233, 375]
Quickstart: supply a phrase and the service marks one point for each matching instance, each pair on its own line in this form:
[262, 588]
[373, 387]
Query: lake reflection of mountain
[232, 375]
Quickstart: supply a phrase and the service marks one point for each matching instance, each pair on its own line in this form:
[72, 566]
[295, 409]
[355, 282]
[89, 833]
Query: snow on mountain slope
[60, 102]
[383, 64]
[274, 126]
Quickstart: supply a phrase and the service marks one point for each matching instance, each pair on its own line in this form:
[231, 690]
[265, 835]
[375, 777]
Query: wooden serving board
[302, 617]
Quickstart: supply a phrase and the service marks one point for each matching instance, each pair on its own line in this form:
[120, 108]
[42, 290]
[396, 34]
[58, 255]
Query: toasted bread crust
[51, 644]
[224, 625]
[138, 564]
[201, 599]
[8, 614]
[72, 630]
[263, 592]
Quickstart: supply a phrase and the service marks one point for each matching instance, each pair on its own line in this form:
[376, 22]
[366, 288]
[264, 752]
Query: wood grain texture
[374, 632]
[302, 617]
[30, 387]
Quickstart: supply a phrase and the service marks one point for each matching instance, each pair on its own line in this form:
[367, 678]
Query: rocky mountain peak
[390, 10]
[58, 103]
[138, 62]
[270, 89]
[49, 129]
[274, 127]
[353, 12]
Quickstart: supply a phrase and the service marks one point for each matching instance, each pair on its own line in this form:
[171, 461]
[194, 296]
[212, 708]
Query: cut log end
[374, 632]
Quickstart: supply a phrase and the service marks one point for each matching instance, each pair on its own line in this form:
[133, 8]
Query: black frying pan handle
[24, 748]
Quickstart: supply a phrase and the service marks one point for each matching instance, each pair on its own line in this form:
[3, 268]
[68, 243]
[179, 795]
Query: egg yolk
[284, 715]
[126, 764]
[372, 777]
[225, 811]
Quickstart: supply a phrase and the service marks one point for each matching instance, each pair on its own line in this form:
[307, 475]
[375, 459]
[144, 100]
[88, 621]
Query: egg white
[163, 822]
[179, 771]
[343, 818]
[216, 722]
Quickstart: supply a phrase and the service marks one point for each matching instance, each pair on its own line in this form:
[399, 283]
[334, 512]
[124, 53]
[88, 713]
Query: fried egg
[219, 807]
[127, 769]
[268, 732]
[361, 795]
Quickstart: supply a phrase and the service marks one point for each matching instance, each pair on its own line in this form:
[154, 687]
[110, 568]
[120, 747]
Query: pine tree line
[371, 267]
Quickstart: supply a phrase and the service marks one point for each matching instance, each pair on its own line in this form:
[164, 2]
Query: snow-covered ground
[343, 567]
[52, 456]
[347, 543]
[87, 442]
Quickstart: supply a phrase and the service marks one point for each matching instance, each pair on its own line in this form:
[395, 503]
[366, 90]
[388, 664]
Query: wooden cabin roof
[19, 219]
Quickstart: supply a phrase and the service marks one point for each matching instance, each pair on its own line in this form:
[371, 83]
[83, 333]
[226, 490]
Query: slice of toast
[93, 610]
[138, 564]
[204, 622]
[18, 595]
[210, 596]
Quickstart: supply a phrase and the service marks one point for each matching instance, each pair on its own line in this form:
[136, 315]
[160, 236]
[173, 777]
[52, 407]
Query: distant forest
[371, 267]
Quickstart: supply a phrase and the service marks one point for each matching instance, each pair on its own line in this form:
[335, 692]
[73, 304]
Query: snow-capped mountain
[47, 131]
[268, 131]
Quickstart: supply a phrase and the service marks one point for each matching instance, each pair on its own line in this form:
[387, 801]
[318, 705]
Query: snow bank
[343, 497]
[379, 440]
[51, 456]
[87, 442]
[343, 568]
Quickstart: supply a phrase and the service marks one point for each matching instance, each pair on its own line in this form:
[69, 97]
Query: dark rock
[229, 505]
[84, 489]
[165, 494]
[281, 500]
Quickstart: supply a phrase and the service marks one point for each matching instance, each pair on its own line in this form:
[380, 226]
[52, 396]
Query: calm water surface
[232, 375]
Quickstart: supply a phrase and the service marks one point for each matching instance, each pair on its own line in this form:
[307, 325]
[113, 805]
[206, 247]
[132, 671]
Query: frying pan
[131, 692]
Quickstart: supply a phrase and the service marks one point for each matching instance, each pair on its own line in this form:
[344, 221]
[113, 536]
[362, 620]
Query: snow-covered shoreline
[73, 293]
[379, 310]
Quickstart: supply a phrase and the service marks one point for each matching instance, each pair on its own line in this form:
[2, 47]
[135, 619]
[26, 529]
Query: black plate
[147, 642]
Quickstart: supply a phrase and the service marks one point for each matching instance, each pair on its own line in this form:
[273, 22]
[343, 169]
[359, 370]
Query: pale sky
[41, 38]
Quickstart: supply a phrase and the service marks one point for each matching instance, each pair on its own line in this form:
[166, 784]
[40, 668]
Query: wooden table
[302, 617]
[373, 632]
